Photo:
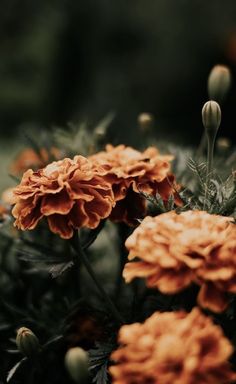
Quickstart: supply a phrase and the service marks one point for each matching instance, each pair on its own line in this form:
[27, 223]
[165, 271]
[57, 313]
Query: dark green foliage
[44, 286]
[99, 360]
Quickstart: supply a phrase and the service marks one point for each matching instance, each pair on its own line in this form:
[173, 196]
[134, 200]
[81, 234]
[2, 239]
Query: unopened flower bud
[219, 82]
[76, 362]
[145, 122]
[223, 144]
[27, 342]
[211, 117]
[100, 132]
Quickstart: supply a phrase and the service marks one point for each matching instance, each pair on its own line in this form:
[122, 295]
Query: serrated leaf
[54, 263]
[98, 361]
[12, 372]
[58, 269]
[4, 327]
[52, 341]
[170, 203]
[160, 203]
[200, 170]
[13, 351]
[105, 122]
[35, 257]
[101, 377]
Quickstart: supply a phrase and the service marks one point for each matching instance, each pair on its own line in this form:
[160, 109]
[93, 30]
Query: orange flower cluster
[70, 193]
[28, 158]
[129, 172]
[192, 247]
[173, 348]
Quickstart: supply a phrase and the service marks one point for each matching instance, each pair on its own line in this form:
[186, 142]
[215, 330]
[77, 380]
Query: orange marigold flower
[130, 171]
[28, 158]
[173, 348]
[192, 247]
[70, 193]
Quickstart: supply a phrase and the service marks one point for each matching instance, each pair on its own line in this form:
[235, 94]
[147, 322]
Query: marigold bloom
[28, 158]
[192, 247]
[130, 171]
[173, 348]
[70, 193]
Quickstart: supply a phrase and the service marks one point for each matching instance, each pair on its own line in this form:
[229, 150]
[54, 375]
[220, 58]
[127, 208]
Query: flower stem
[210, 152]
[76, 244]
[123, 254]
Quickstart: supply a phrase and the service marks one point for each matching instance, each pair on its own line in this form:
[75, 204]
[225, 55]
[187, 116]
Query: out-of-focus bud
[100, 134]
[219, 82]
[223, 144]
[76, 363]
[145, 122]
[8, 196]
[27, 342]
[211, 117]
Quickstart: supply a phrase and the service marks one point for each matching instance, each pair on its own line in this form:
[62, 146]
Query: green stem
[210, 153]
[82, 256]
[123, 232]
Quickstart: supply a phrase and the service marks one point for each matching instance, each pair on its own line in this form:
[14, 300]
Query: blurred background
[70, 60]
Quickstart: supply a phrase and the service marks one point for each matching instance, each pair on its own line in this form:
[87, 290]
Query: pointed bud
[76, 362]
[211, 117]
[219, 82]
[223, 144]
[145, 122]
[27, 342]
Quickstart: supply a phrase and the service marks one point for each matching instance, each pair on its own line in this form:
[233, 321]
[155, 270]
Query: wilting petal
[59, 203]
[29, 216]
[59, 224]
[211, 298]
[129, 210]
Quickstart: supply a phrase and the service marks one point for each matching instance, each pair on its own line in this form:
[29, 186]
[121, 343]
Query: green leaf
[12, 372]
[98, 361]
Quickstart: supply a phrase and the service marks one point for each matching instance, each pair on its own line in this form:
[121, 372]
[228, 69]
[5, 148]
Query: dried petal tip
[145, 121]
[76, 363]
[219, 82]
[27, 342]
[211, 116]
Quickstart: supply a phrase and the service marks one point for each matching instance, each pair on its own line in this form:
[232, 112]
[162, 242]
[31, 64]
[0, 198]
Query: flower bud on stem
[211, 118]
[27, 342]
[76, 363]
[219, 82]
[145, 122]
[218, 85]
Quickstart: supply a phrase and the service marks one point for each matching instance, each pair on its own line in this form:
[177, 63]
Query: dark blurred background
[67, 60]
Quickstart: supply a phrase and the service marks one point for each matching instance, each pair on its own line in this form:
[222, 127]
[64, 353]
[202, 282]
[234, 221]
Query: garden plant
[118, 264]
